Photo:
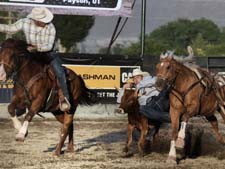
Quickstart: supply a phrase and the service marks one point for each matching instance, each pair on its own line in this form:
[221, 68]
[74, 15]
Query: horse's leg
[175, 119]
[141, 141]
[68, 120]
[11, 109]
[60, 118]
[222, 111]
[181, 134]
[35, 106]
[156, 134]
[130, 130]
[70, 147]
[213, 121]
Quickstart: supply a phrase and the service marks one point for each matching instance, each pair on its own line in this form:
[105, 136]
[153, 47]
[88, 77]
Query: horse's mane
[19, 48]
[173, 61]
[17, 44]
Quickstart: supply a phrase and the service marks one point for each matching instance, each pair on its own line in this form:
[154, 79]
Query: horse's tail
[87, 97]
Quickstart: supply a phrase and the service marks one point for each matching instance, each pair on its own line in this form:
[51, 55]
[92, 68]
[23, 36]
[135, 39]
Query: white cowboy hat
[41, 14]
[137, 72]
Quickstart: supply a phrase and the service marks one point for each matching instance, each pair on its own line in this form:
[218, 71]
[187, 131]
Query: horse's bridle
[180, 96]
[15, 70]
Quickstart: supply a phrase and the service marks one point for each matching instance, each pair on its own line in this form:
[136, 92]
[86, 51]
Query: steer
[129, 104]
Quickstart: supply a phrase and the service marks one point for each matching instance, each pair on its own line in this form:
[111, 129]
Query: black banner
[98, 4]
[72, 7]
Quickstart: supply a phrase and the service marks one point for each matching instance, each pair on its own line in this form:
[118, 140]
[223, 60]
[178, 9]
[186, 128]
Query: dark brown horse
[35, 89]
[190, 96]
[129, 104]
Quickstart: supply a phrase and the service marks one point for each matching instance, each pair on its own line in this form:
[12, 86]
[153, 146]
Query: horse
[129, 104]
[190, 95]
[35, 88]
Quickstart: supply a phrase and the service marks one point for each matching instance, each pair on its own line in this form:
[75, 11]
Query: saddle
[56, 89]
[199, 73]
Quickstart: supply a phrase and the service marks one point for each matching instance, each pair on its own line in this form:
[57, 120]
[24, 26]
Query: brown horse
[190, 96]
[35, 88]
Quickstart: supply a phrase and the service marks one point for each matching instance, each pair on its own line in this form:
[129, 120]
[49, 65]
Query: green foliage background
[72, 29]
[205, 37]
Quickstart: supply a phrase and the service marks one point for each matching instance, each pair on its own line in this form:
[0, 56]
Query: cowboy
[40, 37]
[154, 104]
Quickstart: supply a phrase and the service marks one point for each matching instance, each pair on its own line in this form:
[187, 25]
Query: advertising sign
[76, 7]
[87, 4]
[104, 79]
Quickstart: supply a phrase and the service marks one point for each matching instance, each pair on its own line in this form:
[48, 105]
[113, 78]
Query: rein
[15, 72]
[181, 96]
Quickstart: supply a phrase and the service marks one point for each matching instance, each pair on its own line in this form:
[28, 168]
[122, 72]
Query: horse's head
[10, 53]
[129, 102]
[166, 70]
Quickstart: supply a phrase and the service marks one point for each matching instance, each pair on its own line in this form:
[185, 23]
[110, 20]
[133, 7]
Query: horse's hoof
[179, 143]
[141, 154]
[127, 154]
[56, 153]
[70, 150]
[26, 134]
[20, 137]
[171, 160]
[125, 150]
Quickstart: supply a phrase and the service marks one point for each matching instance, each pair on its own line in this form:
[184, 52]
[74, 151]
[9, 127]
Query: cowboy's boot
[64, 103]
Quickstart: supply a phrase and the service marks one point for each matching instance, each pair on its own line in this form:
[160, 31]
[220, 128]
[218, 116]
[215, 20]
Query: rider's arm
[147, 81]
[120, 95]
[49, 39]
[147, 89]
[12, 28]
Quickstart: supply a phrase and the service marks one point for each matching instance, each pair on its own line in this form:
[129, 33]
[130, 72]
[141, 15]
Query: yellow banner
[98, 77]
[8, 84]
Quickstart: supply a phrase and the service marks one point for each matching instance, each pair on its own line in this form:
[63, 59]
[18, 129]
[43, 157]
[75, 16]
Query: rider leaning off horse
[40, 35]
[153, 104]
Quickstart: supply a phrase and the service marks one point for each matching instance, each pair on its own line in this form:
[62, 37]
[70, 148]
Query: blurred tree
[209, 31]
[116, 49]
[215, 50]
[10, 18]
[3, 21]
[199, 45]
[72, 29]
[177, 35]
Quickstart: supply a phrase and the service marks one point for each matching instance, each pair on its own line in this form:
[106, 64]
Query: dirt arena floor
[99, 143]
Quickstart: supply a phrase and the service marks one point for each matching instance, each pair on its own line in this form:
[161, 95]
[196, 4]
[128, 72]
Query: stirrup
[64, 105]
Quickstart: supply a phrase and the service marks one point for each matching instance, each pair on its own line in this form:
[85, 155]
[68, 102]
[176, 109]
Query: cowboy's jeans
[60, 73]
[153, 112]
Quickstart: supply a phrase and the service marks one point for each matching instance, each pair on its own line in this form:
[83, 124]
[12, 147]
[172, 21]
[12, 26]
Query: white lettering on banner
[96, 2]
[109, 94]
[126, 76]
[106, 94]
[78, 1]
[72, 7]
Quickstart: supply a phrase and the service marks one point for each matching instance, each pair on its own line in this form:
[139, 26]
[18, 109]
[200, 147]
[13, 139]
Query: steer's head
[129, 101]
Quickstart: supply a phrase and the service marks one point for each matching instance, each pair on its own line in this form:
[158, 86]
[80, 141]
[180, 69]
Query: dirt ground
[98, 144]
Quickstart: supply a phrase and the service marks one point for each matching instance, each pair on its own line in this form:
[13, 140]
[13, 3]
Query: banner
[72, 7]
[103, 77]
